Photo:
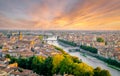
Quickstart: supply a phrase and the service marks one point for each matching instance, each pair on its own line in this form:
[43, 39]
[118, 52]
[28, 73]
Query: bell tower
[20, 36]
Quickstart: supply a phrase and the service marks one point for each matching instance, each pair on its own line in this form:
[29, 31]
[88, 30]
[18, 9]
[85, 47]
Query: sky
[60, 14]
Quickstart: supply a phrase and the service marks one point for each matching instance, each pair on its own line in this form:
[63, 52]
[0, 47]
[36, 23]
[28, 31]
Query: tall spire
[20, 36]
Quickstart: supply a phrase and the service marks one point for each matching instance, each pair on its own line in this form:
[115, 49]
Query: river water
[88, 60]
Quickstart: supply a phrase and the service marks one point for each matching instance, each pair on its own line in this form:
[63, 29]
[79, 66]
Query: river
[88, 60]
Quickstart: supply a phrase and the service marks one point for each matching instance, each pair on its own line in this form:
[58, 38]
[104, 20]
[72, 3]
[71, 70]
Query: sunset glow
[60, 14]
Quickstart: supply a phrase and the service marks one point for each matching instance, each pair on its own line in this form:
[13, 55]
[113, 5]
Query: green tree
[1, 46]
[13, 59]
[7, 56]
[106, 43]
[22, 62]
[47, 71]
[65, 65]
[41, 37]
[82, 69]
[105, 73]
[76, 59]
[38, 64]
[56, 62]
[29, 62]
[97, 71]
[99, 39]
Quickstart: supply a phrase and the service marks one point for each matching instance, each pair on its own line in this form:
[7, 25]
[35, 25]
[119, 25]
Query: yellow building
[13, 65]
[5, 47]
[13, 39]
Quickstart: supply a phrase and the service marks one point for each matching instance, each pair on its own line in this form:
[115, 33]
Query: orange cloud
[68, 15]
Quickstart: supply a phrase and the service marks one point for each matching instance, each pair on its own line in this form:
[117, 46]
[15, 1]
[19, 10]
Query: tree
[65, 65]
[99, 39]
[41, 37]
[82, 69]
[38, 64]
[22, 62]
[76, 59]
[105, 73]
[13, 59]
[97, 71]
[47, 70]
[1, 46]
[56, 62]
[106, 43]
[7, 56]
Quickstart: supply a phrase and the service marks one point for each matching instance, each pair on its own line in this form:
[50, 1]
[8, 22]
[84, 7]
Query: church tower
[32, 44]
[20, 36]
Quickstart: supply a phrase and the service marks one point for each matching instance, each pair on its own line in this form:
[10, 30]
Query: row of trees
[67, 42]
[58, 64]
[109, 61]
[89, 48]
